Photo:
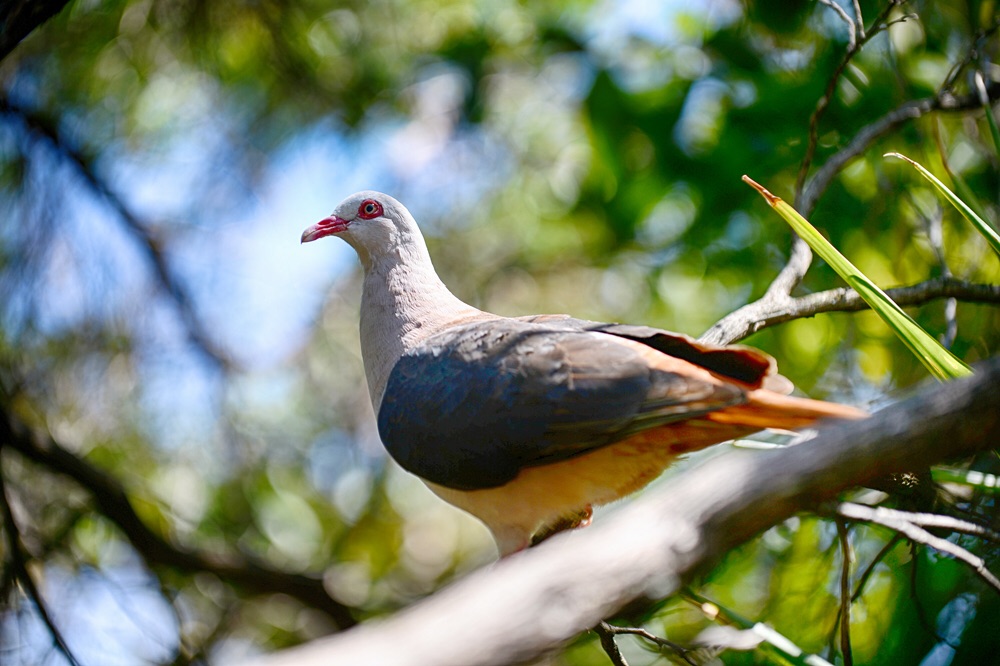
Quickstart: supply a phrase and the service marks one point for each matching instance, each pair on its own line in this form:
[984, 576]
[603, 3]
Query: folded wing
[473, 405]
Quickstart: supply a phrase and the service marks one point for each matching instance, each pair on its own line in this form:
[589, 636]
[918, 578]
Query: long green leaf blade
[981, 225]
[939, 361]
[991, 120]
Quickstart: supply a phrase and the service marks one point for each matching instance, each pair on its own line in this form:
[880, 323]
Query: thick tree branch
[19, 17]
[112, 501]
[531, 603]
[777, 309]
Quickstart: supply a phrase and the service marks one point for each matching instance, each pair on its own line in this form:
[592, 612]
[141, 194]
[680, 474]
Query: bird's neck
[403, 302]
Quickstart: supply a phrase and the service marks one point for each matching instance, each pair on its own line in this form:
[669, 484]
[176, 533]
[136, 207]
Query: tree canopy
[188, 458]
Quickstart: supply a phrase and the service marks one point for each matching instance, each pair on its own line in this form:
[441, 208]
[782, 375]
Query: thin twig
[21, 573]
[862, 582]
[845, 593]
[606, 634]
[870, 569]
[932, 520]
[663, 643]
[852, 27]
[808, 192]
[867, 135]
[857, 38]
[774, 310]
[859, 22]
[920, 535]
[970, 54]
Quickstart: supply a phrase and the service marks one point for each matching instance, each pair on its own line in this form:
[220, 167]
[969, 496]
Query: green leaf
[939, 361]
[990, 118]
[961, 187]
[986, 483]
[967, 195]
[981, 225]
[992, 121]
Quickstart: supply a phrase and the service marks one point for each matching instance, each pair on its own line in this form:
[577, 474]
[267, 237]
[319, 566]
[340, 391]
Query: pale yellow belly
[541, 496]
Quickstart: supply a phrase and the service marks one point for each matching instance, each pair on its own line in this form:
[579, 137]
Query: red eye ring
[369, 209]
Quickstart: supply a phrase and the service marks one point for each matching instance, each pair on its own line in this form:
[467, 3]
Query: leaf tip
[770, 198]
[900, 156]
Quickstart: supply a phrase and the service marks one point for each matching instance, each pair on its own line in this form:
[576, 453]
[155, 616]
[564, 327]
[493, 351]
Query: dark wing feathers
[744, 364]
[474, 405]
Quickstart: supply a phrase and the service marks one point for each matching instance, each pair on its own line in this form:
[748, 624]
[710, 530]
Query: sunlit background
[159, 160]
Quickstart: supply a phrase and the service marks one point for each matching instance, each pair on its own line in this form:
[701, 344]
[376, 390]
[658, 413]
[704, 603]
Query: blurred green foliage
[580, 157]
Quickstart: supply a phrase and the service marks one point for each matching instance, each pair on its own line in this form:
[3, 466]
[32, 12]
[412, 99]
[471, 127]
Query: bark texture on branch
[533, 602]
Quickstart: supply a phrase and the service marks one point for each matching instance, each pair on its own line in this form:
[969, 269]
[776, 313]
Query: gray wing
[473, 405]
[743, 364]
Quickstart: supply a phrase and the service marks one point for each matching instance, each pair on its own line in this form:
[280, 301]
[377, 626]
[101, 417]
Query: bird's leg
[580, 518]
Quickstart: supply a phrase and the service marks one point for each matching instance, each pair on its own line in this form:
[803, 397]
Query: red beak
[325, 227]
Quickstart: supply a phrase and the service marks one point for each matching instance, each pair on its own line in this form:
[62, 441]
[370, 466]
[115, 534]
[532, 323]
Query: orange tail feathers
[767, 409]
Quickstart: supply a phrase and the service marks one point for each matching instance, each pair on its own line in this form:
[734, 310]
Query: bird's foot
[580, 518]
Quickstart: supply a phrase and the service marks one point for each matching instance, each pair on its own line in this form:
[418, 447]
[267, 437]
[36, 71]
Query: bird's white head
[403, 300]
[370, 221]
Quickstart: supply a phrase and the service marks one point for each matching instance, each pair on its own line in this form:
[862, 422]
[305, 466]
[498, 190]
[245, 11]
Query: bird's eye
[369, 208]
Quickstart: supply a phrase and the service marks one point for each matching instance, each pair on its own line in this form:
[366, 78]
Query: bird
[529, 422]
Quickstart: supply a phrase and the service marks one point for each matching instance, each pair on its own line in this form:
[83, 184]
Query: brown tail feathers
[767, 409]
